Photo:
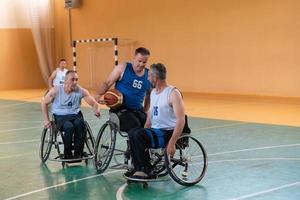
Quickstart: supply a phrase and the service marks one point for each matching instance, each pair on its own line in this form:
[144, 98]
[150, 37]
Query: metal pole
[70, 26]
[74, 55]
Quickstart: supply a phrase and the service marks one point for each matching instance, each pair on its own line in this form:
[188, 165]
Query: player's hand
[97, 113]
[171, 149]
[99, 99]
[47, 124]
[102, 101]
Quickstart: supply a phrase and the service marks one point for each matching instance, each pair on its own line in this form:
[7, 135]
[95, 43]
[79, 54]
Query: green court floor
[246, 161]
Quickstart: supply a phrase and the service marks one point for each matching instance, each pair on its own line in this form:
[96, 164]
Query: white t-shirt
[162, 114]
[60, 77]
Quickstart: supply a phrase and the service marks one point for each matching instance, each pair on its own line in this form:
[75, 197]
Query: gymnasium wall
[18, 60]
[213, 46]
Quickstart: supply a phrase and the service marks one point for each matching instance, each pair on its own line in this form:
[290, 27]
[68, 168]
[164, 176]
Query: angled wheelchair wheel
[104, 148]
[188, 165]
[46, 143]
[89, 139]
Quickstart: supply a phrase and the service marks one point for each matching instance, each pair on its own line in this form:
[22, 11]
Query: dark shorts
[130, 119]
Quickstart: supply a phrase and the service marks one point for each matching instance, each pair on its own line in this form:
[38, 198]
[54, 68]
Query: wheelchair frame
[50, 137]
[161, 163]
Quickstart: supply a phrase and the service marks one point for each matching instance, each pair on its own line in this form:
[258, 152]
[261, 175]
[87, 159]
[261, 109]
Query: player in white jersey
[58, 76]
[164, 125]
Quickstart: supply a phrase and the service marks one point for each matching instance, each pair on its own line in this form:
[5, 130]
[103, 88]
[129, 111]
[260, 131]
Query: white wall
[18, 13]
[14, 14]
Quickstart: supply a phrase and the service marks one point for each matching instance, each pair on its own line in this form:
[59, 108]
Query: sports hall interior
[236, 62]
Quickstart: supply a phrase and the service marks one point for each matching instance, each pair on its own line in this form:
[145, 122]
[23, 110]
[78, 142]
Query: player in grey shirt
[66, 110]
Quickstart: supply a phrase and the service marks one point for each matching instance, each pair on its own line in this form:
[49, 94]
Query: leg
[79, 136]
[139, 142]
[128, 120]
[141, 117]
[68, 129]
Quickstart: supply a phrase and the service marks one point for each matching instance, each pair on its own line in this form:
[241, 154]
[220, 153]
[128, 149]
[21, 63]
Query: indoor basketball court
[235, 62]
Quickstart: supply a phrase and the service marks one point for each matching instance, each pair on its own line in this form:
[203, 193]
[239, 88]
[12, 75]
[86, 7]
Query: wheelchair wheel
[188, 165]
[46, 143]
[105, 145]
[89, 140]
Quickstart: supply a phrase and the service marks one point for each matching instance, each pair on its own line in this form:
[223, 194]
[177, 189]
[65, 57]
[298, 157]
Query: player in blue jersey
[131, 79]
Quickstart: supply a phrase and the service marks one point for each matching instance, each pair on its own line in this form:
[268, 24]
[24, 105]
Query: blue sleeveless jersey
[133, 88]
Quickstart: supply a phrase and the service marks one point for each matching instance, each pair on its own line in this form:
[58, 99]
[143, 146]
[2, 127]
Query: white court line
[122, 188]
[17, 114]
[253, 159]
[265, 191]
[20, 129]
[220, 153]
[220, 126]
[14, 104]
[17, 122]
[20, 103]
[18, 155]
[253, 149]
[120, 192]
[20, 142]
[61, 184]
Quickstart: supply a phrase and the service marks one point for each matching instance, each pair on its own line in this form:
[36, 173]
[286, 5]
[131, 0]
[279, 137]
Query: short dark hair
[61, 60]
[143, 51]
[70, 71]
[159, 70]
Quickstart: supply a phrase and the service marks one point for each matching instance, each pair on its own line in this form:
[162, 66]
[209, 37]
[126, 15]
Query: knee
[79, 123]
[140, 136]
[68, 127]
[132, 133]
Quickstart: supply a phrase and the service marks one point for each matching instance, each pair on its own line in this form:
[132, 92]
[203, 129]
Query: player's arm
[91, 101]
[50, 80]
[148, 120]
[48, 98]
[147, 101]
[178, 107]
[112, 78]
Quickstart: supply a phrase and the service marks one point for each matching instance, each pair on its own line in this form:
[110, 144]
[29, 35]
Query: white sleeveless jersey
[162, 114]
[60, 77]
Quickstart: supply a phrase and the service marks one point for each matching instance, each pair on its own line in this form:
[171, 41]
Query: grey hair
[70, 72]
[159, 70]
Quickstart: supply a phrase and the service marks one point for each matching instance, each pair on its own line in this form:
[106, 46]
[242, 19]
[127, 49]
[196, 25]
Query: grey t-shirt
[66, 104]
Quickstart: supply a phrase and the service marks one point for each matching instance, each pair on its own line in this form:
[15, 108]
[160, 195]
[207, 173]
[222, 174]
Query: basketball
[113, 98]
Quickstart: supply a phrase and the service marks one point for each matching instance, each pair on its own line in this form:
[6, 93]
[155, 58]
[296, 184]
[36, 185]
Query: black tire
[46, 144]
[104, 148]
[89, 139]
[181, 167]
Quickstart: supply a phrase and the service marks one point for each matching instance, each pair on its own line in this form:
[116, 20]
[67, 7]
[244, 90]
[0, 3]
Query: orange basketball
[113, 98]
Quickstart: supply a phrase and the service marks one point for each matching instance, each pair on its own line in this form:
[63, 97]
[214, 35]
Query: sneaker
[139, 175]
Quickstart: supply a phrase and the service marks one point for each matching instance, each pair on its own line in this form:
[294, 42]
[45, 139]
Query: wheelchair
[53, 136]
[187, 167]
